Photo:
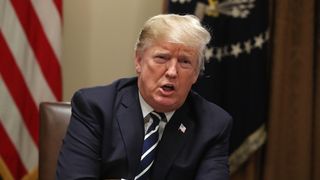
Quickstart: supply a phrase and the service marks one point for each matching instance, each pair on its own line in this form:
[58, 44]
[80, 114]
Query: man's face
[166, 72]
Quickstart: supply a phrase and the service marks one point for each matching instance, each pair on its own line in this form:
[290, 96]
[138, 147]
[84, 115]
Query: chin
[166, 104]
[166, 107]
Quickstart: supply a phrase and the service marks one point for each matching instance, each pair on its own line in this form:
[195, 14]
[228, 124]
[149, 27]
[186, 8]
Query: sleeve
[214, 164]
[80, 155]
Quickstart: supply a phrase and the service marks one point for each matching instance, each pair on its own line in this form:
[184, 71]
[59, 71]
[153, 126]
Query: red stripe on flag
[46, 58]
[10, 155]
[58, 4]
[19, 90]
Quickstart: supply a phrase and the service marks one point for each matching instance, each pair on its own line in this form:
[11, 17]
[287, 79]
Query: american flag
[182, 128]
[30, 72]
[236, 75]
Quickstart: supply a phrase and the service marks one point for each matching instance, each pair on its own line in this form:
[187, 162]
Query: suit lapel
[132, 129]
[177, 131]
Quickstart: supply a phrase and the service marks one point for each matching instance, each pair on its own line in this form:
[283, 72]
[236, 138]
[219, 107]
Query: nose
[172, 70]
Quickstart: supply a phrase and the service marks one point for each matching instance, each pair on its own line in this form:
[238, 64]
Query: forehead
[173, 48]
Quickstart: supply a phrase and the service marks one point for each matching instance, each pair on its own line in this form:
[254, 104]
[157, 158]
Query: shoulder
[103, 96]
[114, 86]
[206, 107]
[209, 114]
[101, 92]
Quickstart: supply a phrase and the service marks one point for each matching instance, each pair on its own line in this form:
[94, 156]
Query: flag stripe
[50, 21]
[18, 90]
[15, 128]
[44, 53]
[10, 156]
[30, 72]
[58, 4]
[23, 55]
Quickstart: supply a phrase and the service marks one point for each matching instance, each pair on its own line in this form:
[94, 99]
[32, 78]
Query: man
[153, 126]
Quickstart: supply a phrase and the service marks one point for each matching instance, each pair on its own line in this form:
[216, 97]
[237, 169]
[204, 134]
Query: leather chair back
[54, 120]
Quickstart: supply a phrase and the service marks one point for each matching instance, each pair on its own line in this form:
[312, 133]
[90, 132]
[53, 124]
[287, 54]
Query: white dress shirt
[146, 109]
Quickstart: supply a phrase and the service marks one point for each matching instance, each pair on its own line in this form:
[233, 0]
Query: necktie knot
[158, 116]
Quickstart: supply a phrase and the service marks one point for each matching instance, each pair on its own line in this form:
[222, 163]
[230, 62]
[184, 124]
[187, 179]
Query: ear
[137, 61]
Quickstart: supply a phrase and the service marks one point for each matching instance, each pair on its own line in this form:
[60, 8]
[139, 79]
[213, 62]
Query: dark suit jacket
[105, 137]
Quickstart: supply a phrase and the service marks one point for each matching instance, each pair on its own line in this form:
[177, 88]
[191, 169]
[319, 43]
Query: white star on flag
[236, 50]
[208, 53]
[258, 41]
[219, 54]
[247, 46]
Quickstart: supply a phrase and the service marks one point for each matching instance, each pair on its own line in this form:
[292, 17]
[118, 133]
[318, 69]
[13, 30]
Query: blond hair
[182, 29]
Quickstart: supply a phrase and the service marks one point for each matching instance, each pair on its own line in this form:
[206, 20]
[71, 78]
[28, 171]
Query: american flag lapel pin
[182, 128]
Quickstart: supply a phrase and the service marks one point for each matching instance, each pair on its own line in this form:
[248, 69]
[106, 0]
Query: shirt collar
[146, 109]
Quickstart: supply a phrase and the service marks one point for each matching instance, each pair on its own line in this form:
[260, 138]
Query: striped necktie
[150, 143]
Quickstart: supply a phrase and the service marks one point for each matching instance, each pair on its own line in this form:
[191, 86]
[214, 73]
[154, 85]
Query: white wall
[98, 40]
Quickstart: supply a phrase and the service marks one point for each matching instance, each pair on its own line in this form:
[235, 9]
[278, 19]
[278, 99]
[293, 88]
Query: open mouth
[168, 87]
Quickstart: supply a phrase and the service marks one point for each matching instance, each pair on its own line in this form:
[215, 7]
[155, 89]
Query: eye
[185, 63]
[161, 58]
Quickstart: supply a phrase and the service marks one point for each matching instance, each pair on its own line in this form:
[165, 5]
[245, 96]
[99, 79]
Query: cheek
[195, 75]
[194, 79]
[191, 78]
[186, 85]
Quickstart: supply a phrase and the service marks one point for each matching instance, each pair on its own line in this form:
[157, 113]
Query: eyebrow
[186, 55]
[183, 53]
[162, 51]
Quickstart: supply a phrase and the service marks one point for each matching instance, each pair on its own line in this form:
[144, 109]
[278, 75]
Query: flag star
[244, 14]
[258, 41]
[250, 6]
[235, 12]
[247, 46]
[219, 54]
[236, 50]
[208, 53]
